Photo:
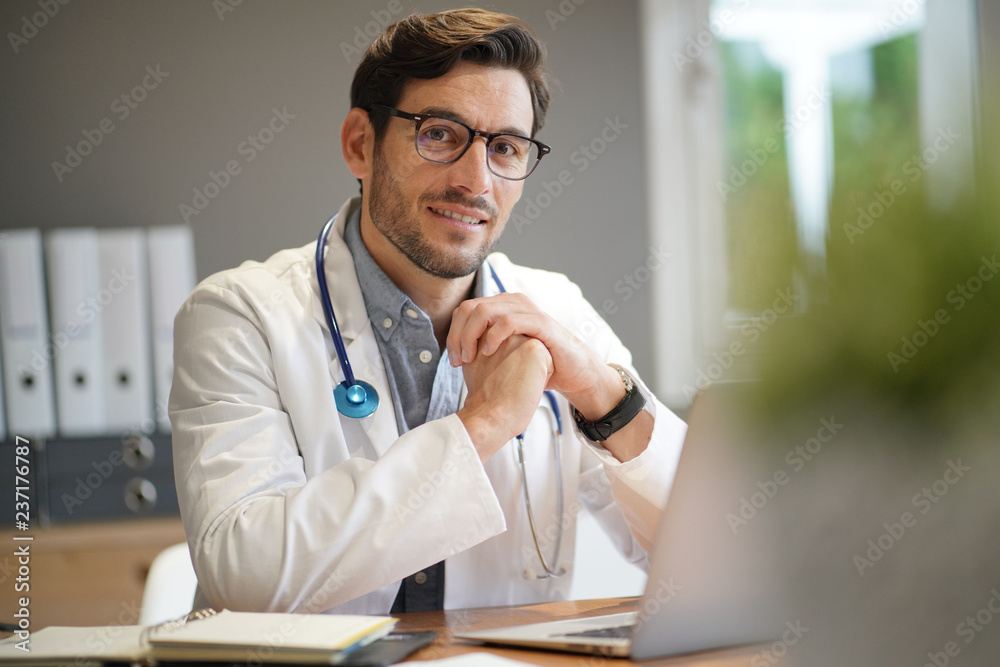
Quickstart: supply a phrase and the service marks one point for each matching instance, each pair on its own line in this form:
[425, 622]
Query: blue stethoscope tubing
[354, 398]
[358, 399]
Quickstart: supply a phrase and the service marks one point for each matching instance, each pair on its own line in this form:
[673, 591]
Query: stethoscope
[358, 399]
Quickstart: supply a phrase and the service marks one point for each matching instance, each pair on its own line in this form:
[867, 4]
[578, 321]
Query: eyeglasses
[443, 141]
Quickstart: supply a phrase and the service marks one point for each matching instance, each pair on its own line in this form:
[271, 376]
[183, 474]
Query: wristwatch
[620, 415]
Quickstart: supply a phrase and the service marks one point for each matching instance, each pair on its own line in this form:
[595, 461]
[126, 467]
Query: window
[766, 115]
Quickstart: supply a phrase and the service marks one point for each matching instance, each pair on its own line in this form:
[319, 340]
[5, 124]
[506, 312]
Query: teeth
[468, 219]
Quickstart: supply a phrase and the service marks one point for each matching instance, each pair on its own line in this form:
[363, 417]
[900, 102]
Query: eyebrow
[451, 115]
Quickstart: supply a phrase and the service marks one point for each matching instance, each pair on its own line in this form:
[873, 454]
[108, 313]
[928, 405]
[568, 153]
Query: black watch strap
[626, 410]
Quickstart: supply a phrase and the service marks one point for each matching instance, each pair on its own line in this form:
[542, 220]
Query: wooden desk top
[448, 623]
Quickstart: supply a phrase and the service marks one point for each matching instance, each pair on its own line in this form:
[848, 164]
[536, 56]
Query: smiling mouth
[468, 219]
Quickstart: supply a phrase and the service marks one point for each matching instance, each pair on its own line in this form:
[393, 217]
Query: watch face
[626, 378]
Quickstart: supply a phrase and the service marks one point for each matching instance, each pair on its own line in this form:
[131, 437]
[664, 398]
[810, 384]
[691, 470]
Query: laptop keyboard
[616, 632]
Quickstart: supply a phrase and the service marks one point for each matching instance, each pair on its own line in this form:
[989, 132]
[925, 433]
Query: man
[288, 504]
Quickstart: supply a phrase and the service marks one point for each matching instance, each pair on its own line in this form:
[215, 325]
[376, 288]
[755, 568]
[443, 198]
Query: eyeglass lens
[442, 140]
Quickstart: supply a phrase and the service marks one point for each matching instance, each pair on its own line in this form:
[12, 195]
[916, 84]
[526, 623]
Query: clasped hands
[510, 352]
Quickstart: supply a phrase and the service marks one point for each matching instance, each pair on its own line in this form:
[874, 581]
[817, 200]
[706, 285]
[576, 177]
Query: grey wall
[225, 73]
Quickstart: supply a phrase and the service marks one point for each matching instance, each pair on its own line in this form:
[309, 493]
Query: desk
[447, 623]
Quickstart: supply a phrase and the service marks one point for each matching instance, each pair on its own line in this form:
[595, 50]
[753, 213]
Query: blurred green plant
[907, 315]
[911, 318]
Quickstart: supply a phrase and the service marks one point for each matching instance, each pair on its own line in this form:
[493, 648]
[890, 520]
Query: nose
[471, 173]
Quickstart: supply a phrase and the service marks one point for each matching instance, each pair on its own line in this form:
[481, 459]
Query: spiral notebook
[227, 636]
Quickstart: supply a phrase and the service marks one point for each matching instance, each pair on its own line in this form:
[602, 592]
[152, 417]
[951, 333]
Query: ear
[357, 139]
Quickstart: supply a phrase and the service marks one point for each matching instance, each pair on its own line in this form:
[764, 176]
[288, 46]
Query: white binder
[76, 301]
[128, 378]
[24, 336]
[171, 279]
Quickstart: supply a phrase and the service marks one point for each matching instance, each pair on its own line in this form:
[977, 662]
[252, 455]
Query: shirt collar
[383, 300]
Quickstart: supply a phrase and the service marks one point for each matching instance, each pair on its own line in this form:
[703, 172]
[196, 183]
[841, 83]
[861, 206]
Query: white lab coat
[287, 505]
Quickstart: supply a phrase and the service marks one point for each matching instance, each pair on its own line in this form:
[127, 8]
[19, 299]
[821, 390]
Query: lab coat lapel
[366, 362]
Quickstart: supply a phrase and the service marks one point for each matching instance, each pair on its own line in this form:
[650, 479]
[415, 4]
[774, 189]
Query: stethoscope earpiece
[357, 401]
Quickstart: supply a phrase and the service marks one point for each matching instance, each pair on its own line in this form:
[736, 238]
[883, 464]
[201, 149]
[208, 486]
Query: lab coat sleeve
[265, 537]
[627, 499]
[635, 491]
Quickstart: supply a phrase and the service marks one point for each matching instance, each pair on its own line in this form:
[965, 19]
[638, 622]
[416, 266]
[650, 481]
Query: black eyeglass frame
[420, 118]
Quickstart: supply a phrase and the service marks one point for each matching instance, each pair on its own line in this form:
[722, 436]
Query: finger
[496, 333]
[453, 343]
[505, 326]
[470, 335]
[463, 335]
[480, 316]
[534, 349]
[475, 318]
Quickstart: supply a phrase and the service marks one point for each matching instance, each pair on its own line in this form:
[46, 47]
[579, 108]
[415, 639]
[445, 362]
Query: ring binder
[180, 622]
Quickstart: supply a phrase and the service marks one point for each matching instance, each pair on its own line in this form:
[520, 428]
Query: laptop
[714, 567]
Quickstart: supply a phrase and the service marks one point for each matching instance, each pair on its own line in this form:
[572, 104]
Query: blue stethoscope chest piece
[356, 401]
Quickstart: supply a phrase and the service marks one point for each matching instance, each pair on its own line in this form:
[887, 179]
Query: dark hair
[428, 46]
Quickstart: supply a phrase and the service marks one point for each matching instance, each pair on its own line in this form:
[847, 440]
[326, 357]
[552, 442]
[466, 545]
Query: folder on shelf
[227, 636]
[171, 279]
[76, 302]
[24, 336]
[128, 383]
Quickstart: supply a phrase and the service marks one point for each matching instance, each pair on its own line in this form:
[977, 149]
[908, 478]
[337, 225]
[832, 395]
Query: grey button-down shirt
[423, 384]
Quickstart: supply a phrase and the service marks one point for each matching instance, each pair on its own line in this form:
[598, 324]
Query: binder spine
[128, 386]
[25, 343]
[76, 301]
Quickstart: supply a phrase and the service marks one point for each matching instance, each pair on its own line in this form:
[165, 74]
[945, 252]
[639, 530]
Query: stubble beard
[391, 217]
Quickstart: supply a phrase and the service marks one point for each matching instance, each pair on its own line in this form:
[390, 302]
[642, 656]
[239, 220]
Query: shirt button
[426, 356]
[420, 577]
[412, 314]
[387, 322]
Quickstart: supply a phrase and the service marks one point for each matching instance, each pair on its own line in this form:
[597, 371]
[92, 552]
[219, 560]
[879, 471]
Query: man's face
[418, 205]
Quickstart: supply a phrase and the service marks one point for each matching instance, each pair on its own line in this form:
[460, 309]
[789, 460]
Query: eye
[439, 134]
[509, 148]
[504, 149]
